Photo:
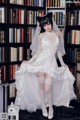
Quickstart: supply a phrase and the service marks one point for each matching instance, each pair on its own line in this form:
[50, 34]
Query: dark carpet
[60, 113]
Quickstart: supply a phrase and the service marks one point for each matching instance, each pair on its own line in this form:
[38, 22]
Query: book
[2, 15]
[1, 100]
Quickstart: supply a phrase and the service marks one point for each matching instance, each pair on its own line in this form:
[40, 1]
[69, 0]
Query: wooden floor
[60, 113]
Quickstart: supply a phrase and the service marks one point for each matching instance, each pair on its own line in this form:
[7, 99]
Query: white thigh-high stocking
[42, 96]
[48, 89]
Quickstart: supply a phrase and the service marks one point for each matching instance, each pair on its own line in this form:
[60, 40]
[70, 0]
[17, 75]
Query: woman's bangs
[44, 22]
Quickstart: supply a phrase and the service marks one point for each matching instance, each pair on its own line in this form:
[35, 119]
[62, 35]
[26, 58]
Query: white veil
[36, 40]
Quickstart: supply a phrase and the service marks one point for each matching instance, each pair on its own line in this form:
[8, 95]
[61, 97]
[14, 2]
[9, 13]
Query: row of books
[73, 18]
[31, 16]
[59, 18]
[21, 2]
[38, 3]
[16, 35]
[16, 54]
[2, 36]
[2, 74]
[2, 15]
[12, 70]
[28, 54]
[12, 90]
[73, 37]
[16, 16]
[55, 3]
[2, 54]
[30, 33]
[71, 53]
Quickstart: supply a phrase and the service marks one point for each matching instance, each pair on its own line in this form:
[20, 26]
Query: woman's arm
[33, 58]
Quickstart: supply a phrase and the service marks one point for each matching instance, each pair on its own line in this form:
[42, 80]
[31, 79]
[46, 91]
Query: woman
[39, 81]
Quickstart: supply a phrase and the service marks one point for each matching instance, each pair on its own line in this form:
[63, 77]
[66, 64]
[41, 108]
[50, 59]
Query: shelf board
[36, 8]
[2, 25]
[2, 4]
[73, 45]
[3, 63]
[16, 44]
[15, 62]
[55, 8]
[3, 44]
[12, 25]
[78, 71]
[61, 26]
[71, 27]
[11, 81]
[78, 61]
[28, 44]
[18, 6]
[31, 25]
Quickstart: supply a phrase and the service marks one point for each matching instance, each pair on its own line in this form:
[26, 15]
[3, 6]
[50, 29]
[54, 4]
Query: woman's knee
[47, 88]
[41, 84]
[48, 83]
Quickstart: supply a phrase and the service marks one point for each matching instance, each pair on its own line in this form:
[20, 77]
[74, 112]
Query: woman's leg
[42, 94]
[48, 90]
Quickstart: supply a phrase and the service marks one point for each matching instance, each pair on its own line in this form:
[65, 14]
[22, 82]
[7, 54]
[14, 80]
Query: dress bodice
[50, 42]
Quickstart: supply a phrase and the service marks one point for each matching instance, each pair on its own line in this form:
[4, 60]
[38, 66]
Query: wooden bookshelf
[72, 40]
[14, 40]
[38, 8]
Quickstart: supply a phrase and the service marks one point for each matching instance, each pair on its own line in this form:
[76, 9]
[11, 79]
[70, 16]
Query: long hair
[46, 19]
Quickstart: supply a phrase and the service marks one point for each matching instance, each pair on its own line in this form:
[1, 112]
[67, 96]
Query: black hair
[46, 19]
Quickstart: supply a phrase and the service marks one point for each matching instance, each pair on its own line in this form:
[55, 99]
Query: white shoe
[44, 112]
[50, 115]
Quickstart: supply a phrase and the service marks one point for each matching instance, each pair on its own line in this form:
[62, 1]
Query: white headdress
[36, 39]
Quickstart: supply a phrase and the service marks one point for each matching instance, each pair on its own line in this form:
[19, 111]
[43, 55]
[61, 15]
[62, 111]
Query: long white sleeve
[33, 58]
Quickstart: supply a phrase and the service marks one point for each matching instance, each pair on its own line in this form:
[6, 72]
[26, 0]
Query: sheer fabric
[44, 61]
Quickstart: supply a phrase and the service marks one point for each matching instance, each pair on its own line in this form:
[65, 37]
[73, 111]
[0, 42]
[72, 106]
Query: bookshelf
[34, 9]
[17, 26]
[72, 40]
[58, 8]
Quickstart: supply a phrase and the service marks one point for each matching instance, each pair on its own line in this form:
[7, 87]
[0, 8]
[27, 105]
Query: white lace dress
[44, 61]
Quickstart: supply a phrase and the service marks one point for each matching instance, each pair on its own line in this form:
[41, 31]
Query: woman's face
[48, 27]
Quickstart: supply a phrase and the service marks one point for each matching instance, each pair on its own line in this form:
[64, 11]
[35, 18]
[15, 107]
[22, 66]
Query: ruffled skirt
[27, 85]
